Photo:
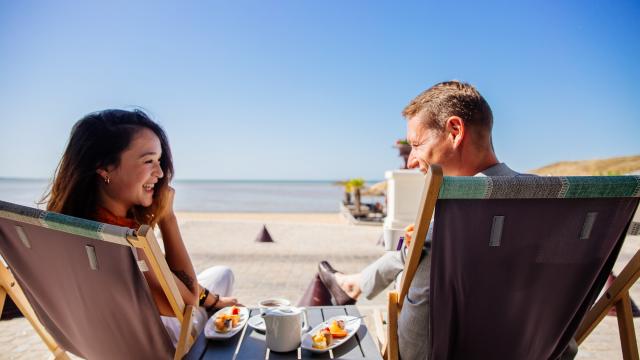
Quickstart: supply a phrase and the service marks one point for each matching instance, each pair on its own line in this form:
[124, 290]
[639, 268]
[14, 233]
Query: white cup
[272, 303]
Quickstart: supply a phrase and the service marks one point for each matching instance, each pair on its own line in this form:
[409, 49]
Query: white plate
[210, 329]
[351, 327]
[257, 322]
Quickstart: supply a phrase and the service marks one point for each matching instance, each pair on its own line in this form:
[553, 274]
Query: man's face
[428, 146]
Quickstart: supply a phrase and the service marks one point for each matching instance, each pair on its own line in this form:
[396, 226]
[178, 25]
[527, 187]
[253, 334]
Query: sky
[314, 89]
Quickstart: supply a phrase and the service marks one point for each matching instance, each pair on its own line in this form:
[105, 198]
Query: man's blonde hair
[451, 98]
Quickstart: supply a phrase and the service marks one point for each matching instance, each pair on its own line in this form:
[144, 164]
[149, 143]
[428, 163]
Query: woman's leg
[217, 279]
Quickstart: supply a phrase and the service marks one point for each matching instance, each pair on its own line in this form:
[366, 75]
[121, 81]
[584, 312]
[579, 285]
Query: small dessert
[337, 329]
[327, 335]
[223, 324]
[235, 319]
[318, 341]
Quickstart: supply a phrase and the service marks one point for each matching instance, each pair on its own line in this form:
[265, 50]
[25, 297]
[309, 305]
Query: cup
[271, 303]
[284, 327]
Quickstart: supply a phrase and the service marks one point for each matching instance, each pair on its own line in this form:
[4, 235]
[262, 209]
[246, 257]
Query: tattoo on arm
[186, 279]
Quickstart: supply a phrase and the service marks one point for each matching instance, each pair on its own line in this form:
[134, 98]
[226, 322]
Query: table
[250, 344]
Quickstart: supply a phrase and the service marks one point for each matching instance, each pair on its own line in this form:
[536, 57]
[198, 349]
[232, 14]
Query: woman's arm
[179, 262]
[176, 253]
[178, 258]
[158, 294]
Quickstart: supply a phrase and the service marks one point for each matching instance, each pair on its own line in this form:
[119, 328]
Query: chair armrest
[393, 310]
[185, 340]
[381, 333]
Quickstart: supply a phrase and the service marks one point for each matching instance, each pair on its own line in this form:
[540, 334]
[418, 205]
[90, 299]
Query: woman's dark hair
[96, 142]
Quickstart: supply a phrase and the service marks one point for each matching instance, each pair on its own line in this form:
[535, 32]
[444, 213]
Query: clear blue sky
[314, 89]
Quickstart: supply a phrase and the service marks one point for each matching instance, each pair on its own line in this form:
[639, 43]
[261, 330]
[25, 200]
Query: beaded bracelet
[212, 306]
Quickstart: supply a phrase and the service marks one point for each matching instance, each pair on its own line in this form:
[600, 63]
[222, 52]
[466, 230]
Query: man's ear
[455, 130]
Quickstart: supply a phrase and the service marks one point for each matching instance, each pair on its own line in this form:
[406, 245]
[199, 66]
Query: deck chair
[518, 262]
[80, 285]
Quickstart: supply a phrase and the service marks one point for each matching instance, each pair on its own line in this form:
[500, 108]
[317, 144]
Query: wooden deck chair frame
[617, 295]
[144, 239]
[9, 286]
[433, 180]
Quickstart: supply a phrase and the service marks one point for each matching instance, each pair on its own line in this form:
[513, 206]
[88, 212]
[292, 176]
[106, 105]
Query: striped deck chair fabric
[516, 262]
[84, 283]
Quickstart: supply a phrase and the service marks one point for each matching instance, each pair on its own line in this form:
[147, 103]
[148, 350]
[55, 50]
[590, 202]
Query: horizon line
[214, 180]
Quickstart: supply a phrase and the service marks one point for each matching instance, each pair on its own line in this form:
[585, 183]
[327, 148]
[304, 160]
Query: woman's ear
[455, 130]
[103, 173]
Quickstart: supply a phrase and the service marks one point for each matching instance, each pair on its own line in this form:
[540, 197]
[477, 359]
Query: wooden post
[185, 340]
[618, 290]
[625, 326]
[146, 240]
[392, 326]
[433, 180]
[381, 334]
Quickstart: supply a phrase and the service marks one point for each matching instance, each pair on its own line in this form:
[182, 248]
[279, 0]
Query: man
[450, 125]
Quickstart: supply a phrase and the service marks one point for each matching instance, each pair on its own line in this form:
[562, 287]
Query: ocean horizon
[220, 195]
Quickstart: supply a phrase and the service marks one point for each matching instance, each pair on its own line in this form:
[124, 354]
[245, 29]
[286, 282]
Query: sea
[243, 196]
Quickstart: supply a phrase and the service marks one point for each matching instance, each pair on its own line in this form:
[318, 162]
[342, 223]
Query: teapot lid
[283, 311]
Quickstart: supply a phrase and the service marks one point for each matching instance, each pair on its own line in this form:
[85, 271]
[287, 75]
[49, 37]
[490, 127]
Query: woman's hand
[168, 215]
[226, 301]
[218, 302]
[171, 193]
[408, 233]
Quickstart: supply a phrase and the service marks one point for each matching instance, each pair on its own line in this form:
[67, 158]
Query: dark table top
[250, 344]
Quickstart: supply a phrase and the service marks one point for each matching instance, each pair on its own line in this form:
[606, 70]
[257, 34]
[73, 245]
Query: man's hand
[408, 233]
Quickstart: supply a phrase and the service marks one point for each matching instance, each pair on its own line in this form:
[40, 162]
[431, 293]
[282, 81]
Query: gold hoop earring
[107, 180]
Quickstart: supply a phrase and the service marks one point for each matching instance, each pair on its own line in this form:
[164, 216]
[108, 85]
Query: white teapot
[284, 327]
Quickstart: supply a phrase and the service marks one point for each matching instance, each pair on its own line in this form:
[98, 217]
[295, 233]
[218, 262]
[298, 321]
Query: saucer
[257, 322]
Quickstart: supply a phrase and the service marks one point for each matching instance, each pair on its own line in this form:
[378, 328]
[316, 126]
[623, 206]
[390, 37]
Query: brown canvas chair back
[84, 284]
[517, 262]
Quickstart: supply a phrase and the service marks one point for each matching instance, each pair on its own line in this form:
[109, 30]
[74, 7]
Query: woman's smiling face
[132, 181]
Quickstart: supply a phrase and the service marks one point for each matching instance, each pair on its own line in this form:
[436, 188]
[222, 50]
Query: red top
[106, 216]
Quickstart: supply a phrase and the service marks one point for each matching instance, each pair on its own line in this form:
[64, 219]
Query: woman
[116, 169]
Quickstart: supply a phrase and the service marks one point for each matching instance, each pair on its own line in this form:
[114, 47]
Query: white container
[404, 188]
[284, 328]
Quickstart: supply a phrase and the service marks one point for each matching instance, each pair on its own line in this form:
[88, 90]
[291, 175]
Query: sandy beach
[285, 267]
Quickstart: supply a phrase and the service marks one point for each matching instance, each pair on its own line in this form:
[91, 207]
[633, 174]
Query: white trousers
[217, 279]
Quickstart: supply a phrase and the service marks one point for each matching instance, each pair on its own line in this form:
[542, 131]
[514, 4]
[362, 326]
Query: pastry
[318, 341]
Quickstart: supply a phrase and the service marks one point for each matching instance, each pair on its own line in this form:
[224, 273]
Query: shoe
[326, 266]
[326, 273]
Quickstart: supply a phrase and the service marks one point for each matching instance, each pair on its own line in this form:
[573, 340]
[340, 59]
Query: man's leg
[381, 273]
[372, 280]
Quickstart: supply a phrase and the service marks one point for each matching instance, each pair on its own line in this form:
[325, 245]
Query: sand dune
[612, 166]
